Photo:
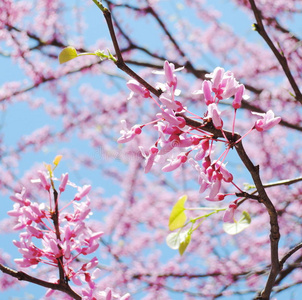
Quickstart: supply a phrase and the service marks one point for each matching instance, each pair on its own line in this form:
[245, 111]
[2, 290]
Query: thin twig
[280, 56]
[290, 253]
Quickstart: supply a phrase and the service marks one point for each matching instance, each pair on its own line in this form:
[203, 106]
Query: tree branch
[63, 287]
[280, 56]
[264, 199]
[290, 253]
[253, 170]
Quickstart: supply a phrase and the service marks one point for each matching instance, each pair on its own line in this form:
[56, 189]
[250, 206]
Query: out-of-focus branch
[280, 56]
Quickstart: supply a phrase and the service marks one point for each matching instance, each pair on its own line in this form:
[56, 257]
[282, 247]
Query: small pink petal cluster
[42, 241]
[222, 85]
[267, 122]
[229, 213]
[108, 294]
[175, 134]
[128, 135]
[210, 177]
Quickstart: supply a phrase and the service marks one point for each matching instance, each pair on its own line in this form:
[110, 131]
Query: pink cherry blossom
[128, 135]
[229, 213]
[214, 115]
[207, 91]
[267, 122]
[149, 157]
[238, 96]
[170, 77]
[64, 180]
[137, 88]
[175, 163]
[83, 191]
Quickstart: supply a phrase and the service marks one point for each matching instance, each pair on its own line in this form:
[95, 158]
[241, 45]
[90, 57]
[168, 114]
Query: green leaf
[178, 217]
[67, 54]
[238, 226]
[183, 245]
[174, 239]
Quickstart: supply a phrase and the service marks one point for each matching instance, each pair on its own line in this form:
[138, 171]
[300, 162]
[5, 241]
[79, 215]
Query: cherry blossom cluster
[57, 236]
[175, 133]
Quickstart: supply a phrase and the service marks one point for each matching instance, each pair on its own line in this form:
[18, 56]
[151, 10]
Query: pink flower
[175, 163]
[149, 157]
[267, 122]
[83, 191]
[203, 149]
[170, 77]
[230, 86]
[64, 180]
[128, 135]
[207, 92]
[215, 184]
[44, 180]
[91, 264]
[169, 115]
[229, 213]
[168, 100]
[214, 114]
[226, 175]
[21, 198]
[137, 88]
[238, 96]
[217, 78]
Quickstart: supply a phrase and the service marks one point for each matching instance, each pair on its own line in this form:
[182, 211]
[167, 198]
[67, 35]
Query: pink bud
[175, 163]
[226, 175]
[214, 114]
[170, 77]
[206, 162]
[207, 91]
[214, 189]
[229, 213]
[64, 180]
[42, 176]
[93, 263]
[217, 77]
[150, 157]
[83, 191]
[238, 96]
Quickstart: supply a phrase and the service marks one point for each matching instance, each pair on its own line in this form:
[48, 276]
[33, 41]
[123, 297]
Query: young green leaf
[178, 217]
[238, 226]
[184, 244]
[67, 54]
[57, 160]
[174, 239]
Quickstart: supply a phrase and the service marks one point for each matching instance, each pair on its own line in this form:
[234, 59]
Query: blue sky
[16, 120]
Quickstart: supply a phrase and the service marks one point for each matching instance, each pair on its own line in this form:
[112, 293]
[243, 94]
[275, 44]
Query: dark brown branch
[120, 61]
[290, 267]
[254, 171]
[280, 56]
[55, 218]
[289, 254]
[63, 287]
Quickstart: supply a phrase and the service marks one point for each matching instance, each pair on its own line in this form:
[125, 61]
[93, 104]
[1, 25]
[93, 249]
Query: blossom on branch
[267, 122]
[128, 135]
[229, 213]
[137, 88]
